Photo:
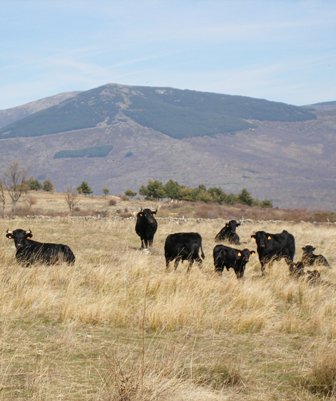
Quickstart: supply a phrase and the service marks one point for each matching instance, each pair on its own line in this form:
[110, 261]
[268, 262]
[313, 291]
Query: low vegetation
[155, 190]
[118, 326]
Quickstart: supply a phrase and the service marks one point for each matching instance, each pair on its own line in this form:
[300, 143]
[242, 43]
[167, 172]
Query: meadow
[117, 326]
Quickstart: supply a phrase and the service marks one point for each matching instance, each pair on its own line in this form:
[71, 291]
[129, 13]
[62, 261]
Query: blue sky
[282, 50]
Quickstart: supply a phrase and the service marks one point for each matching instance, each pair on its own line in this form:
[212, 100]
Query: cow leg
[190, 263]
[199, 262]
[167, 263]
[262, 268]
[177, 260]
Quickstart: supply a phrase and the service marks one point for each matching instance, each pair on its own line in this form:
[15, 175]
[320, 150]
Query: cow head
[308, 249]
[232, 225]
[244, 256]
[19, 236]
[262, 238]
[147, 214]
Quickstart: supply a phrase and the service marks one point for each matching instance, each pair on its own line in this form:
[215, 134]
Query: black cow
[146, 227]
[310, 259]
[29, 251]
[224, 256]
[183, 246]
[228, 233]
[274, 247]
[296, 270]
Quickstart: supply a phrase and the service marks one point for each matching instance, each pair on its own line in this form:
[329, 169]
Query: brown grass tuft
[321, 379]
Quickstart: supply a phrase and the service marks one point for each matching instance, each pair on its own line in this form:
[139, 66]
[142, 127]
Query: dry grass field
[117, 326]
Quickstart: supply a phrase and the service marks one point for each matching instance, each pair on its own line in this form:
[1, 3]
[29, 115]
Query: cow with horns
[274, 247]
[29, 251]
[146, 226]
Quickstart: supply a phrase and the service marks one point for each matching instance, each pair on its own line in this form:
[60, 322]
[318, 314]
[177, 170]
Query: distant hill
[16, 113]
[323, 106]
[119, 137]
[176, 113]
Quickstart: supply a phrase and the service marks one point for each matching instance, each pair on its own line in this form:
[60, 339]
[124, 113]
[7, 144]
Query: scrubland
[118, 326]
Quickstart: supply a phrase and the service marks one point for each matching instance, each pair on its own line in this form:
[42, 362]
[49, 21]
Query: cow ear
[253, 236]
[251, 252]
[9, 234]
[29, 234]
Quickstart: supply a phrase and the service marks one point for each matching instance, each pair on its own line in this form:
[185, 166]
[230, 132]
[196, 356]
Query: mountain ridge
[290, 162]
[177, 113]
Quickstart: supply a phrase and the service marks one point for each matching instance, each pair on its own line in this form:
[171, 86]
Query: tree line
[15, 183]
[155, 189]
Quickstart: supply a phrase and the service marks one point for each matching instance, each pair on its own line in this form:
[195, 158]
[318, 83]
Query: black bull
[29, 251]
[146, 227]
[274, 247]
[183, 246]
[228, 233]
[231, 258]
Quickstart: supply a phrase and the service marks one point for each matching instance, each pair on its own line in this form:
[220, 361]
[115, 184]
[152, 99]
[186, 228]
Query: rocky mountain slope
[120, 137]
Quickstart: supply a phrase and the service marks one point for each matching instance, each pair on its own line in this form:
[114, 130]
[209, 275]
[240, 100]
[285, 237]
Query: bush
[47, 185]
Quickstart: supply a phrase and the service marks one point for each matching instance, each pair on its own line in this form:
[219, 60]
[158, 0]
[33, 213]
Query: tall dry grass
[118, 326]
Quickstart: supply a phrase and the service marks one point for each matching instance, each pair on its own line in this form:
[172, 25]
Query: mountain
[119, 137]
[16, 113]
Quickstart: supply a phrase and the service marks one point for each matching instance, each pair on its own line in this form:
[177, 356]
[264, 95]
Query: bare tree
[14, 183]
[2, 198]
[71, 198]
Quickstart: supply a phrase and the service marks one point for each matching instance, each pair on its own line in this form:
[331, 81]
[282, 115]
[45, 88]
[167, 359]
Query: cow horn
[9, 234]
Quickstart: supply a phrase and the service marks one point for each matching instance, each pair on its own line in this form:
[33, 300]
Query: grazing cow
[183, 246]
[224, 256]
[146, 227]
[310, 259]
[29, 251]
[228, 233]
[274, 247]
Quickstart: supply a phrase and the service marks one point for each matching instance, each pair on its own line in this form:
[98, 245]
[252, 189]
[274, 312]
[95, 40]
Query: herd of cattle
[187, 246]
